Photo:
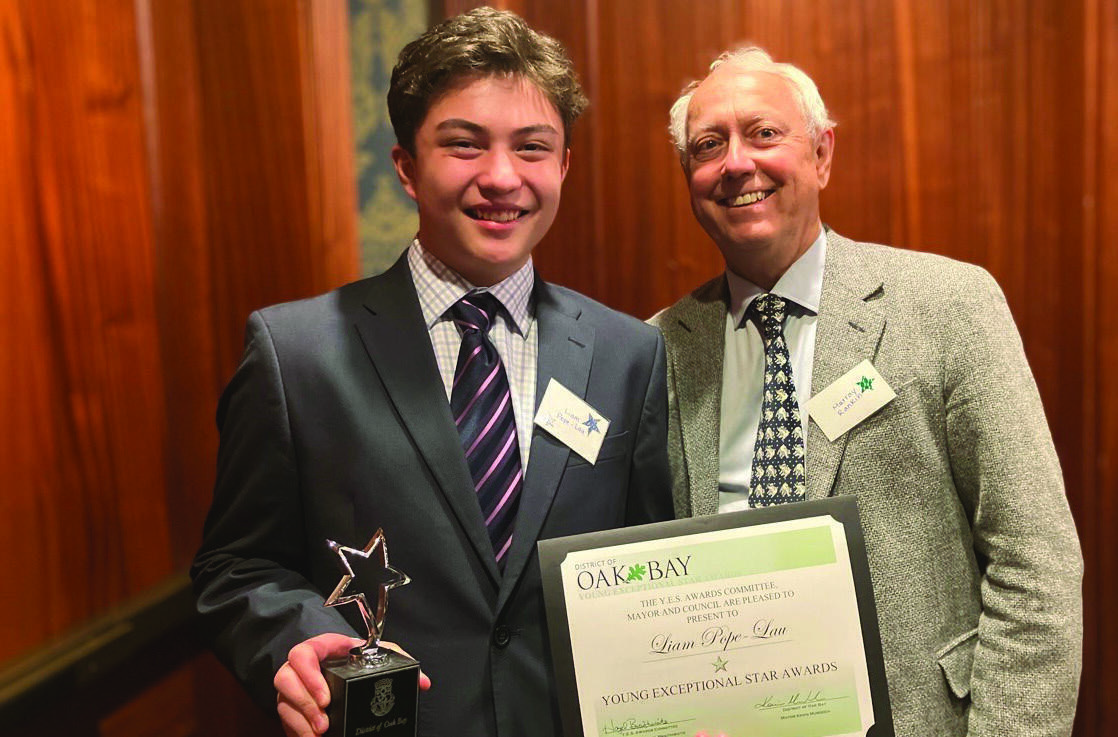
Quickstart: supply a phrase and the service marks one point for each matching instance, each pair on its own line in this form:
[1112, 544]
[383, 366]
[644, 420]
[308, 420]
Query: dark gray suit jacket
[975, 563]
[337, 423]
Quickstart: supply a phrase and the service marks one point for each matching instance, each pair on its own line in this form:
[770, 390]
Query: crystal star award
[375, 690]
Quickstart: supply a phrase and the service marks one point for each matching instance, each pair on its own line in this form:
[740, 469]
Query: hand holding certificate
[755, 623]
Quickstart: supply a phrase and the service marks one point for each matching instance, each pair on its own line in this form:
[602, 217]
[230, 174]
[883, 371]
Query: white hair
[756, 59]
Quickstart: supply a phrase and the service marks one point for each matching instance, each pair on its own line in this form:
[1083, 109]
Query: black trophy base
[378, 699]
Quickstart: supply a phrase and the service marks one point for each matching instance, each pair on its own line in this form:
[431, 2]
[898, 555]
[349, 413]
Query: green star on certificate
[720, 664]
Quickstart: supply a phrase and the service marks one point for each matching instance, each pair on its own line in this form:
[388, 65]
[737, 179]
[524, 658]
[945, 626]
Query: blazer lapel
[848, 331]
[566, 350]
[698, 345]
[395, 337]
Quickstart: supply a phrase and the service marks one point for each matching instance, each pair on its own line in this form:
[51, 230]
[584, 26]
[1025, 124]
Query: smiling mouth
[496, 216]
[748, 198]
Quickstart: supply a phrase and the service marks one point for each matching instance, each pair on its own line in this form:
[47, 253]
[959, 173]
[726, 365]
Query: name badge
[572, 421]
[859, 393]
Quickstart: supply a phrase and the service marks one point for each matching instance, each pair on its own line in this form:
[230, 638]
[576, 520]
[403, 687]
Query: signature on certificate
[799, 698]
[628, 726]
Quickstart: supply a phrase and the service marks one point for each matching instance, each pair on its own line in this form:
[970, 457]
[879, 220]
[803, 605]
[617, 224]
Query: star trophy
[375, 691]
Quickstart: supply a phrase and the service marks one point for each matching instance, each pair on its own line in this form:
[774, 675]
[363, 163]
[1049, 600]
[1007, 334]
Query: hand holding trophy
[375, 690]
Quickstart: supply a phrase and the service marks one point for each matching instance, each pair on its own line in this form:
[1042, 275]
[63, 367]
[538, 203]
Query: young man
[349, 413]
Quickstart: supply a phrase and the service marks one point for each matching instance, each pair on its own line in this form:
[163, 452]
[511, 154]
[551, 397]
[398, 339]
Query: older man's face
[753, 170]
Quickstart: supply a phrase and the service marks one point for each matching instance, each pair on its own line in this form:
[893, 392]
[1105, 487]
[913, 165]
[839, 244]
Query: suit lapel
[849, 331]
[566, 350]
[392, 329]
[698, 346]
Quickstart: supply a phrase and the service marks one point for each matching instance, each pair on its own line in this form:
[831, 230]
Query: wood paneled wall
[167, 166]
[1096, 501]
[986, 131]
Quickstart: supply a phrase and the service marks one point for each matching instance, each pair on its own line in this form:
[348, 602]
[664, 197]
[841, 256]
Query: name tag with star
[859, 393]
[571, 421]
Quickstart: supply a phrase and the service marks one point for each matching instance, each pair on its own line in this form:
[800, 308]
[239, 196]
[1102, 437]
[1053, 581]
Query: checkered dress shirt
[516, 340]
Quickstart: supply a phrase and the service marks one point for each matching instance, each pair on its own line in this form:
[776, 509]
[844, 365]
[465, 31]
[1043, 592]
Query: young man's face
[488, 167]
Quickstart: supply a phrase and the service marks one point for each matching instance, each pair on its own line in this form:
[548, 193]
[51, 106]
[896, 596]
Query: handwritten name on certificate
[751, 631]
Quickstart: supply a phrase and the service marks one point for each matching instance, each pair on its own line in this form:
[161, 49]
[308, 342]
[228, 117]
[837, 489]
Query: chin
[500, 255]
[757, 234]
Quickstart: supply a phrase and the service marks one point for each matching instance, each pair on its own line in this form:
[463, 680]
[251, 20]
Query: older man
[973, 553]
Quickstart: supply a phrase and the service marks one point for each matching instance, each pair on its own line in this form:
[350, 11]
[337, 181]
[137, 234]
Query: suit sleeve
[650, 495]
[1028, 655]
[251, 572]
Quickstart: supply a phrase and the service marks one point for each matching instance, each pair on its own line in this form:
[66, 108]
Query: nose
[500, 173]
[738, 161]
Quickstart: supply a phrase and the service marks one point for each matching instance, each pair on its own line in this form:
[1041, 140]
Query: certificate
[753, 624]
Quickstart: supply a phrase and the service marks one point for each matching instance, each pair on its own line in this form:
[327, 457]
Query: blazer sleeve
[251, 573]
[1028, 654]
[650, 495]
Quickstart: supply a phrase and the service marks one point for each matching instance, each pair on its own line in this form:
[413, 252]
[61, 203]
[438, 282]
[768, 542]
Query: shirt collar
[801, 284]
[439, 287]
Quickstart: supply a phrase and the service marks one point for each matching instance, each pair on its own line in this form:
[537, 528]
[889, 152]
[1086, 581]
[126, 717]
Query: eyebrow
[697, 130]
[469, 125]
[538, 128]
[451, 123]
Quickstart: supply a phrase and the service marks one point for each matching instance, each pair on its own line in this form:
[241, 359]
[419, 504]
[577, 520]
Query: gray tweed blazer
[975, 562]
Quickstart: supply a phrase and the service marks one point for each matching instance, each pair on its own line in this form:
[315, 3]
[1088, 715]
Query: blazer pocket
[613, 446]
[957, 661]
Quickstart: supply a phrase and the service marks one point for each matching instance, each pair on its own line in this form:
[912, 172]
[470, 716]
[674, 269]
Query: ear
[565, 164]
[404, 164]
[824, 151]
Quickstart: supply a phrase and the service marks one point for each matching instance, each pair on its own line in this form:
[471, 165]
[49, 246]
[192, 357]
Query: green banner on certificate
[757, 623]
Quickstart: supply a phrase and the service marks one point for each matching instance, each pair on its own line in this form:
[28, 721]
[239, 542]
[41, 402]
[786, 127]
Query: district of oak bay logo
[624, 575]
[383, 700]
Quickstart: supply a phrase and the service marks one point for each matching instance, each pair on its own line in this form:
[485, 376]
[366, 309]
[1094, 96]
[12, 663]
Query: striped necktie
[778, 456]
[482, 406]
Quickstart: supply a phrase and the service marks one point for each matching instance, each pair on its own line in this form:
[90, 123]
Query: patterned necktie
[778, 456]
[482, 406]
